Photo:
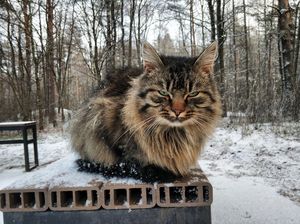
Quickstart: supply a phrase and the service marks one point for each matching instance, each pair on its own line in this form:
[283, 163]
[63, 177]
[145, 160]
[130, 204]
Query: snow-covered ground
[254, 170]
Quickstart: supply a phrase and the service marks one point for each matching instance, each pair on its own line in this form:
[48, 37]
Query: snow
[260, 153]
[282, 11]
[16, 123]
[254, 171]
[249, 200]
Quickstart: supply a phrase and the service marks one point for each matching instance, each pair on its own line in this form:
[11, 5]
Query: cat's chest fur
[174, 148]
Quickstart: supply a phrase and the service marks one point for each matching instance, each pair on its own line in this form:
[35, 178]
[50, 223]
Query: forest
[54, 53]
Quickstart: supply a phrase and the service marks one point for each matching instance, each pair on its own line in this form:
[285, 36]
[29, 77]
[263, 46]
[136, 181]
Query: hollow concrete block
[74, 198]
[23, 200]
[128, 196]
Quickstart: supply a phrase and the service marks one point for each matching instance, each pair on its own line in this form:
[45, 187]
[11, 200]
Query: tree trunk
[212, 20]
[192, 29]
[36, 61]
[247, 51]
[109, 36]
[297, 45]
[122, 35]
[285, 24]
[138, 38]
[95, 56]
[50, 62]
[27, 30]
[235, 59]
[221, 41]
[114, 33]
[132, 12]
[202, 24]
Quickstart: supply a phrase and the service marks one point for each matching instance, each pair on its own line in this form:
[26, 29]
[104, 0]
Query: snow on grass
[255, 176]
[51, 147]
[261, 153]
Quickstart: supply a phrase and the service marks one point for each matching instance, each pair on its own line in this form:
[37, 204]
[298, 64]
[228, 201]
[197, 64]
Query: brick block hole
[42, 198]
[81, 199]
[191, 194]
[135, 196]
[120, 197]
[149, 195]
[94, 198]
[66, 199]
[176, 195]
[54, 199]
[2, 201]
[15, 200]
[162, 195]
[206, 193]
[29, 199]
[107, 197]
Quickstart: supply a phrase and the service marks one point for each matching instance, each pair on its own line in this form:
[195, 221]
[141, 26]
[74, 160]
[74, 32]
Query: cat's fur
[152, 115]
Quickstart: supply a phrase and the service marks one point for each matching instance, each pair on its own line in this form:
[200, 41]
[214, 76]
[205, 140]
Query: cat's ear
[205, 62]
[151, 59]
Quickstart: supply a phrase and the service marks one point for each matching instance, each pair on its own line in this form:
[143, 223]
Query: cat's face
[176, 91]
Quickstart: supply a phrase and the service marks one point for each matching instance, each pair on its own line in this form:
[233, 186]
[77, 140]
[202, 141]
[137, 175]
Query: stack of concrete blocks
[192, 191]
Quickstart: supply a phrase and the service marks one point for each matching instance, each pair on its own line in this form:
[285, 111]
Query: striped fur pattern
[161, 115]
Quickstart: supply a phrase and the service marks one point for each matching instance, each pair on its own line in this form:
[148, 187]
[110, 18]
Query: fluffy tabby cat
[158, 116]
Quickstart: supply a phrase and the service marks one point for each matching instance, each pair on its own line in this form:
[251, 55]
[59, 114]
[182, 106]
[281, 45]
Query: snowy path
[250, 174]
[249, 200]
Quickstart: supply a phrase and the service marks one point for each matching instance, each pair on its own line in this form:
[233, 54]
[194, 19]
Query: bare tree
[50, 72]
[212, 19]
[192, 29]
[285, 44]
[247, 50]
[131, 17]
[221, 40]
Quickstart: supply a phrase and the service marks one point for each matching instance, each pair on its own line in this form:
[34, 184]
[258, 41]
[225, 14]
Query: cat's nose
[178, 107]
[177, 112]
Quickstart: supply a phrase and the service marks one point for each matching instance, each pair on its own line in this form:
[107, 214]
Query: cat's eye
[163, 93]
[193, 94]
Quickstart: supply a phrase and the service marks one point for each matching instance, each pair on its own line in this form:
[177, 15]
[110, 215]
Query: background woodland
[54, 53]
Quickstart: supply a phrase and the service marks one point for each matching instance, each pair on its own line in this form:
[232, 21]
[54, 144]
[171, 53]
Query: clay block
[124, 196]
[74, 198]
[23, 200]
[191, 191]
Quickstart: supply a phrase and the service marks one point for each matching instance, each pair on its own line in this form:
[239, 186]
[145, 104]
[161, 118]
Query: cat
[158, 117]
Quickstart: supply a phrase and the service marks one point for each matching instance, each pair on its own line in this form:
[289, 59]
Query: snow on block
[128, 196]
[74, 198]
[191, 191]
[23, 200]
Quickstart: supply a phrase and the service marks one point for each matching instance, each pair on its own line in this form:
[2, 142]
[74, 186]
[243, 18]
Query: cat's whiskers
[136, 126]
[152, 127]
[202, 124]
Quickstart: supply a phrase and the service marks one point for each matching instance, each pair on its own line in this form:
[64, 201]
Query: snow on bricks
[123, 196]
[74, 198]
[22, 200]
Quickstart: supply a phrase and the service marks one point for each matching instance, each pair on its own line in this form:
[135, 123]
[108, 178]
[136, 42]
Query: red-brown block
[74, 198]
[191, 191]
[124, 196]
[23, 200]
